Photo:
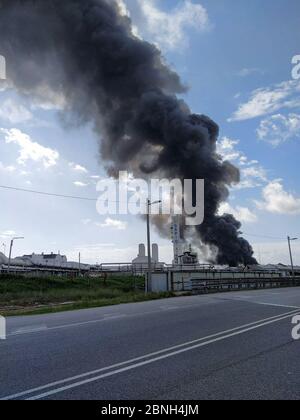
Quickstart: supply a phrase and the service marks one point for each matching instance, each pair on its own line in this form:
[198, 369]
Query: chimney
[155, 255]
[142, 250]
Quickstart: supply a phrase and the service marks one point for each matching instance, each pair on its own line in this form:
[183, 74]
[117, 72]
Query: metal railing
[200, 286]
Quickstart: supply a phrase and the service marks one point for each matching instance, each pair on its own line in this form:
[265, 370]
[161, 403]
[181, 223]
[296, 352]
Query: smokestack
[142, 250]
[155, 255]
[83, 55]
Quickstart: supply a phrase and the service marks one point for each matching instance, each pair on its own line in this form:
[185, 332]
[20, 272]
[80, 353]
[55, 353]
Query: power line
[73, 197]
[264, 236]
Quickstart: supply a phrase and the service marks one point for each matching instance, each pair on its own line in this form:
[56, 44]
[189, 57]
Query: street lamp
[291, 255]
[149, 280]
[10, 250]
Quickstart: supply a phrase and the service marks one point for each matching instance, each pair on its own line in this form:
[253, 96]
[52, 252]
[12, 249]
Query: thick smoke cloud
[84, 50]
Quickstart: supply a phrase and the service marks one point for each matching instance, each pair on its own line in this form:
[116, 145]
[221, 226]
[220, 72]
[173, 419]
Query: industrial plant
[185, 274]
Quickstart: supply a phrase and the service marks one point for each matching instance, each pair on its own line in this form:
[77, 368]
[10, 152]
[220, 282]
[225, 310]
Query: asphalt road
[223, 346]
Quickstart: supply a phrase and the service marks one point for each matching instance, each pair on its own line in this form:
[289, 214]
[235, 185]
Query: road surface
[223, 346]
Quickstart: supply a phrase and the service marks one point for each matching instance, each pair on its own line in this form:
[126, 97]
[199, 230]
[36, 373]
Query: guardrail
[200, 286]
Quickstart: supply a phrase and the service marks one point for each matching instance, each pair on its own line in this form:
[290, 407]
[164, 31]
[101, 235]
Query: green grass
[21, 295]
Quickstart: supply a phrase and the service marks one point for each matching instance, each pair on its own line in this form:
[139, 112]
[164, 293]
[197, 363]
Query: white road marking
[245, 299]
[171, 351]
[29, 329]
[170, 308]
[59, 327]
[111, 317]
[137, 365]
[276, 305]
[106, 317]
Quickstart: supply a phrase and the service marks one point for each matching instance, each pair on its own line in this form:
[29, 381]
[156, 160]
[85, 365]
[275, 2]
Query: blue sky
[235, 56]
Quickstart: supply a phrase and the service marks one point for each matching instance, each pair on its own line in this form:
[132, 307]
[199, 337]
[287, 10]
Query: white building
[44, 261]
[52, 260]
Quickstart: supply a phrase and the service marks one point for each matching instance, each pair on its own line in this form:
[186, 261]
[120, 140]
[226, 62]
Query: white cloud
[30, 150]
[123, 8]
[242, 214]
[278, 201]
[226, 147]
[249, 71]
[265, 101]
[78, 168]
[14, 112]
[80, 184]
[8, 169]
[253, 175]
[113, 224]
[168, 28]
[124, 11]
[248, 183]
[255, 172]
[279, 128]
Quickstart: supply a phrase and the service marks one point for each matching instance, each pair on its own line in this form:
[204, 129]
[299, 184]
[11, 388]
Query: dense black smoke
[84, 51]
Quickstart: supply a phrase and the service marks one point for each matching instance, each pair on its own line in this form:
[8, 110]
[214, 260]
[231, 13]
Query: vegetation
[21, 295]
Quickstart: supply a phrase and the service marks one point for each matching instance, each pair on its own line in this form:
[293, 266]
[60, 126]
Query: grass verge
[32, 295]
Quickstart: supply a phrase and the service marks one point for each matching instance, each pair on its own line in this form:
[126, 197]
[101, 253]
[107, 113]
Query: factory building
[188, 258]
[183, 254]
[53, 260]
[43, 260]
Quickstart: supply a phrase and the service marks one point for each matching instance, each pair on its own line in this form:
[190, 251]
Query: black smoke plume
[85, 52]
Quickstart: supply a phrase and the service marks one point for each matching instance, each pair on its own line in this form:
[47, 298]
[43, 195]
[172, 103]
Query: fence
[219, 281]
[201, 286]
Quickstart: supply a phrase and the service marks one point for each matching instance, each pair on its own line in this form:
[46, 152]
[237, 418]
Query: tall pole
[10, 252]
[79, 262]
[149, 279]
[291, 256]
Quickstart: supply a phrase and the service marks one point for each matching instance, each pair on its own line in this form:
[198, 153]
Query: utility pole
[149, 276]
[291, 255]
[10, 251]
[79, 263]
